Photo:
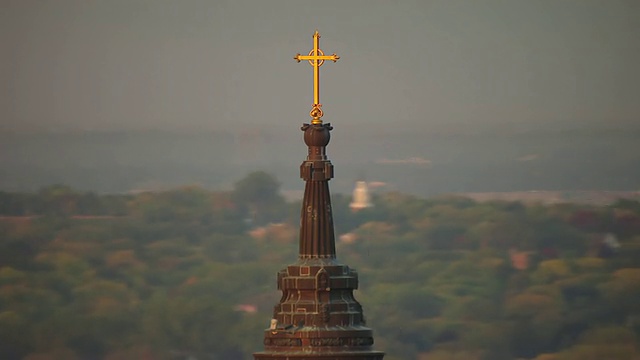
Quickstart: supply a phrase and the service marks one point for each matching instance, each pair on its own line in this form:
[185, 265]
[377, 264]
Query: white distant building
[611, 241]
[361, 199]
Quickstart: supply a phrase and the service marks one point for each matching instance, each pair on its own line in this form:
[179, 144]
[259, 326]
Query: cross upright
[316, 58]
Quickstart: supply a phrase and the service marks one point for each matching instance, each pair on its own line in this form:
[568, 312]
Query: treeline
[453, 279]
[191, 273]
[61, 200]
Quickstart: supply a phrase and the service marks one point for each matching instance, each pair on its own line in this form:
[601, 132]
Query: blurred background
[149, 186]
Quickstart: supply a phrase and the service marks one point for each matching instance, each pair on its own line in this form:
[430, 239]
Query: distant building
[608, 246]
[520, 260]
[246, 308]
[361, 199]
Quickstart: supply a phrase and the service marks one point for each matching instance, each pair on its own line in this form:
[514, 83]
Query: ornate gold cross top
[316, 58]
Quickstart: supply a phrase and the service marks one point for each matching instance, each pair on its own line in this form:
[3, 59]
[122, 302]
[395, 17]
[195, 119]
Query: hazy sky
[191, 64]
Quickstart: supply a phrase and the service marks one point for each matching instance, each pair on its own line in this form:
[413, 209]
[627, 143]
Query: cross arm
[333, 57]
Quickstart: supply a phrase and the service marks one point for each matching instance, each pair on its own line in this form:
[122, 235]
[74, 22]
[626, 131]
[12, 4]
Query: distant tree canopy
[258, 195]
[189, 273]
[61, 200]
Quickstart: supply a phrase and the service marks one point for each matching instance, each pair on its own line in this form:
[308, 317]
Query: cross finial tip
[316, 34]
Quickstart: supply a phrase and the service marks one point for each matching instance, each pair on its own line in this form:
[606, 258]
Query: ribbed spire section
[317, 238]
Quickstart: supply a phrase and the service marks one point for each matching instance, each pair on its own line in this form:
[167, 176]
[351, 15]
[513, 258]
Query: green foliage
[162, 275]
[258, 196]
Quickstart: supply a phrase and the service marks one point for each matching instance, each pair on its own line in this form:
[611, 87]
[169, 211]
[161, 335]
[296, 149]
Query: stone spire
[317, 316]
[317, 239]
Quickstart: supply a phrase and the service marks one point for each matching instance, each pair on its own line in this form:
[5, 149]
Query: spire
[317, 316]
[317, 238]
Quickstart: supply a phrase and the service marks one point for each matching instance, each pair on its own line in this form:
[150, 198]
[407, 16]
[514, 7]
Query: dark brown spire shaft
[317, 238]
[317, 316]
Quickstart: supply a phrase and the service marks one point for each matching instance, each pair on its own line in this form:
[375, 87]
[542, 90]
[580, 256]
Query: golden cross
[316, 58]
